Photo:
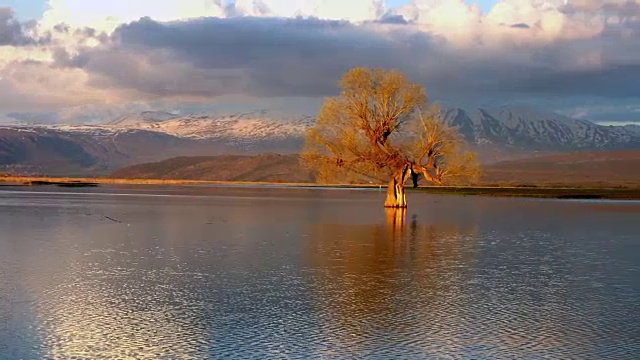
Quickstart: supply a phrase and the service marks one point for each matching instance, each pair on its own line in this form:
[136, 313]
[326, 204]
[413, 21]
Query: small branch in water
[112, 219]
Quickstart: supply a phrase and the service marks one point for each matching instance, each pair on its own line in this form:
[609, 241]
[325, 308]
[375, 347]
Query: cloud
[453, 19]
[106, 15]
[29, 84]
[356, 11]
[268, 57]
[12, 32]
[522, 50]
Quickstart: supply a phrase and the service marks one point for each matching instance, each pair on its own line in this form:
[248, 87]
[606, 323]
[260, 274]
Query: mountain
[590, 168]
[78, 150]
[148, 136]
[518, 129]
[242, 127]
[528, 129]
[496, 134]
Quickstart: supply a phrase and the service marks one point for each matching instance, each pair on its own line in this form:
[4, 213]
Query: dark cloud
[275, 57]
[14, 33]
[625, 10]
[267, 57]
[11, 31]
[392, 19]
[614, 82]
[62, 28]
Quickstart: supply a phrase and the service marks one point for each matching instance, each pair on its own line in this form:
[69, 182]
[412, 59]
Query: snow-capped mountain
[241, 127]
[524, 128]
[143, 137]
[514, 127]
[151, 136]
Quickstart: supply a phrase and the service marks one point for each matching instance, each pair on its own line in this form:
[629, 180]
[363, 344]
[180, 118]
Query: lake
[268, 273]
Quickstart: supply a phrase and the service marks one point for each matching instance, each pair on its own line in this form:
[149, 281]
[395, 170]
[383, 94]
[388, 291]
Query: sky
[82, 61]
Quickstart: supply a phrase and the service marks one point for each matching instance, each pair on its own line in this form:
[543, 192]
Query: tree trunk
[395, 191]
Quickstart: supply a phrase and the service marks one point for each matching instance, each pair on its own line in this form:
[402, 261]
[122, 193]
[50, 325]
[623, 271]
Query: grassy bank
[66, 181]
[614, 193]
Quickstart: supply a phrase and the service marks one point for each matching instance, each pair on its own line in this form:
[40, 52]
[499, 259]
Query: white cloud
[353, 10]
[547, 21]
[36, 85]
[461, 23]
[108, 14]
[452, 19]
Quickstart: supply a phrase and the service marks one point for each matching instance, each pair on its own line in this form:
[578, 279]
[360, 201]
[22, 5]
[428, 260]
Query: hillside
[95, 150]
[596, 168]
[39, 150]
[264, 167]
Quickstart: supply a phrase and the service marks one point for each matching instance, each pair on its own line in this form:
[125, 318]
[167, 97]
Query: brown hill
[597, 168]
[593, 168]
[264, 167]
[91, 151]
[56, 152]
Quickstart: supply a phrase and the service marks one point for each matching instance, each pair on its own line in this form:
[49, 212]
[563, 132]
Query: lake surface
[246, 273]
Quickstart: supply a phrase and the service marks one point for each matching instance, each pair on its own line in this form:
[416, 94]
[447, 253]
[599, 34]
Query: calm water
[193, 273]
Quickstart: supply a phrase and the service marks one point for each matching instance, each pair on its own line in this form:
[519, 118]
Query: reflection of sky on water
[91, 297]
[368, 277]
[324, 273]
[418, 290]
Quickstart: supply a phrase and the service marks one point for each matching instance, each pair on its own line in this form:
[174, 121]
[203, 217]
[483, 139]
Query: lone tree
[381, 126]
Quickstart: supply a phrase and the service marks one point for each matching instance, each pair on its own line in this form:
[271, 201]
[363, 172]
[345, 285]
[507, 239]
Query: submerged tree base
[396, 197]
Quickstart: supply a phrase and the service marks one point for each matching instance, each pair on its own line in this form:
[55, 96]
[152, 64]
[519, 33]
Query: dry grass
[597, 169]
[507, 190]
[28, 180]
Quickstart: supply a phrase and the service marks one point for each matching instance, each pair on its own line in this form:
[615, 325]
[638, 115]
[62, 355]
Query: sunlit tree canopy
[380, 127]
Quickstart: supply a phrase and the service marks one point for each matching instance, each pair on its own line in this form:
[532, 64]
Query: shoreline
[527, 191]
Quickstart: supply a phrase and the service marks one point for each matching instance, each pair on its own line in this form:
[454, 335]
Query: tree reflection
[395, 218]
[370, 276]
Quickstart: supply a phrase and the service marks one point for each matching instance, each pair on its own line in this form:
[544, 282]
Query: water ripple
[174, 285]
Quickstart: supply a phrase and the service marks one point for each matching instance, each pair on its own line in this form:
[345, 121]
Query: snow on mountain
[91, 130]
[513, 127]
[531, 129]
[633, 130]
[141, 118]
[258, 125]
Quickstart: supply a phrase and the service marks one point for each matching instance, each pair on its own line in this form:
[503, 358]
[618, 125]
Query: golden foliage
[379, 123]
[440, 150]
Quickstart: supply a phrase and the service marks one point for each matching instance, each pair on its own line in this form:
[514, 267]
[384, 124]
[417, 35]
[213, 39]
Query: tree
[381, 126]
